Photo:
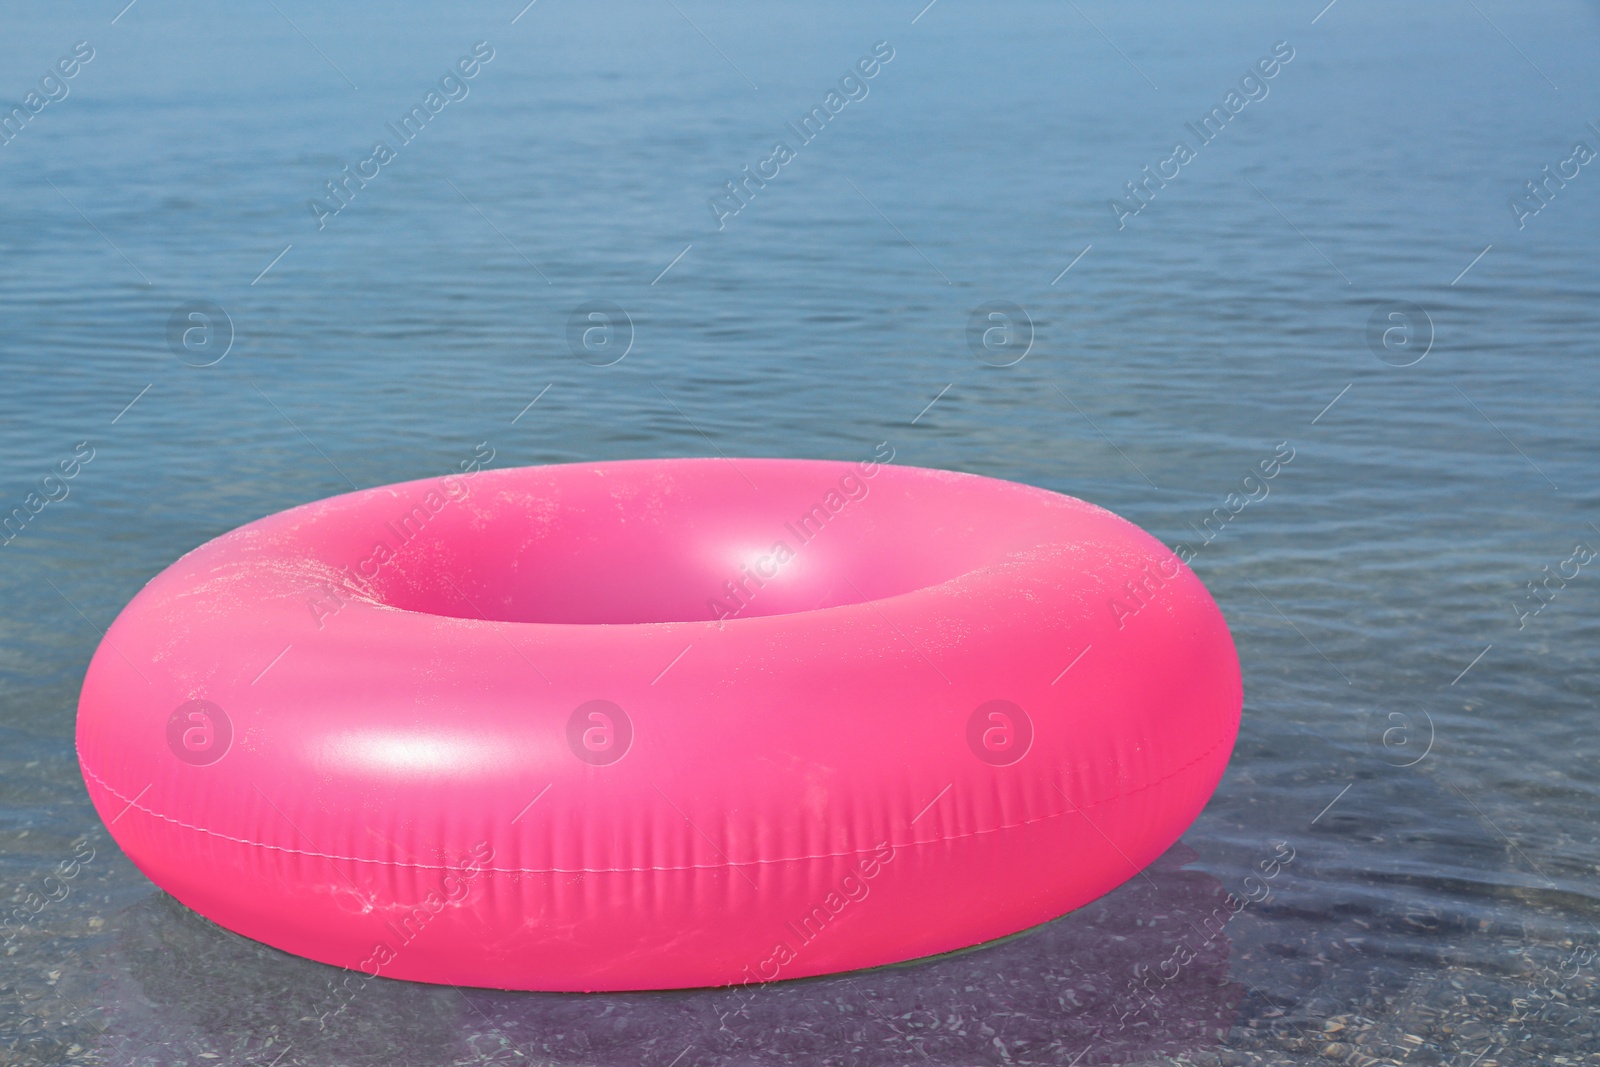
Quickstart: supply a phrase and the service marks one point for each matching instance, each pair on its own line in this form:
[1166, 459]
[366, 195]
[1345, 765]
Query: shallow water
[1428, 755]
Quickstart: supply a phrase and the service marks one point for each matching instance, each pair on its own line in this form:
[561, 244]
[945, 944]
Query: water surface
[1427, 751]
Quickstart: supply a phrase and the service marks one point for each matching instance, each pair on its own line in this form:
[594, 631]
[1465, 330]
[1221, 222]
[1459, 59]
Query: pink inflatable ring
[658, 724]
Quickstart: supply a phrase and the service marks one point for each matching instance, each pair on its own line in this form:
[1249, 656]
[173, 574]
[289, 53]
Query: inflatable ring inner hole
[652, 548]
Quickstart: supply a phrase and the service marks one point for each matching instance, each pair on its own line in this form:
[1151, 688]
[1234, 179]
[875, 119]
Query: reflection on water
[1138, 973]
